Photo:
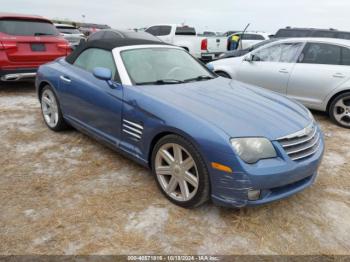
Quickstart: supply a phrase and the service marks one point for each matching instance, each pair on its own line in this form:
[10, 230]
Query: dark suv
[311, 32]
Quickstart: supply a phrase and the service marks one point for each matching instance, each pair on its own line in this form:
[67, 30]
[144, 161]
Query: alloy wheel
[176, 172]
[49, 108]
[341, 111]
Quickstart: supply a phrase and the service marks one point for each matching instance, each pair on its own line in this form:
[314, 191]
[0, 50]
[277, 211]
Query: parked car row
[205, 48]
[70, 33]
[313, 71]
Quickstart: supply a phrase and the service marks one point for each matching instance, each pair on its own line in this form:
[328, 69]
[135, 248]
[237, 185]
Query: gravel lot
[63, 193]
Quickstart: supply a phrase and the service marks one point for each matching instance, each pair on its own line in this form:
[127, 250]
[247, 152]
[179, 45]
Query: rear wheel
[339, 110]
[51, 110]
[180, 172]
[223, 74]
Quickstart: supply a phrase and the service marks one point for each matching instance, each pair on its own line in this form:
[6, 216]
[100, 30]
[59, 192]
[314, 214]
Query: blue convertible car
[204, 137]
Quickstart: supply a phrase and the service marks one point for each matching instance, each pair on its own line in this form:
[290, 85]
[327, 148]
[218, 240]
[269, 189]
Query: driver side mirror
[249, 58]
[102, 73]
[210, 67]
[105, 74]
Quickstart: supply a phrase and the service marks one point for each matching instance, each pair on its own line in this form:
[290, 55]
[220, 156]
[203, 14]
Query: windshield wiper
[199, 78]
[162, 82]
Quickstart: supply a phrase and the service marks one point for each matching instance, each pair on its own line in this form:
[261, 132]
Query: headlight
[252, 149]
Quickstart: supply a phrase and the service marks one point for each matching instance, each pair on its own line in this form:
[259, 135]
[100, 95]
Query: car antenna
[245, 29]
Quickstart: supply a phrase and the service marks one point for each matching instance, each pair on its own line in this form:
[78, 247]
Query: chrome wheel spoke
[177, 153]
[184, 189]
[341, 104]
[187, 164]
[339, 117]
[171, 187]
[163, 170]
[167, 156]
[193, 180]
[46, 100]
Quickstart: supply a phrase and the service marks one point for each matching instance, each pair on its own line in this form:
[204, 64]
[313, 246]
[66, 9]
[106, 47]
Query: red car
[26, 42]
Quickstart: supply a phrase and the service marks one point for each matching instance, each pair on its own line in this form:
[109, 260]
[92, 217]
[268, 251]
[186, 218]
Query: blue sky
[219, 15]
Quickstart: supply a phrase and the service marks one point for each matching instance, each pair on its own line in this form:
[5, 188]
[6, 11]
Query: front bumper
[276, 178]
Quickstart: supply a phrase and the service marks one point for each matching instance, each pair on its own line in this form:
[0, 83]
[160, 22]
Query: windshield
[68, 30]
[23, 27]
[163, 66]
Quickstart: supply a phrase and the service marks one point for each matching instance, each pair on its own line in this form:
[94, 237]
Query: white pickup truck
[205, 48]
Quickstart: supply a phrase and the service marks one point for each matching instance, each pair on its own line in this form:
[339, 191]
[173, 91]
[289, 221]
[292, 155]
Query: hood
[239, 109]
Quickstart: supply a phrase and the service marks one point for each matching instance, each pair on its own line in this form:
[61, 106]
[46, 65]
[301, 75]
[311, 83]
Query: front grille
[301, 144]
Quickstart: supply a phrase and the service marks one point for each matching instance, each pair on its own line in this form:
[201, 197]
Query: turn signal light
[221, 167]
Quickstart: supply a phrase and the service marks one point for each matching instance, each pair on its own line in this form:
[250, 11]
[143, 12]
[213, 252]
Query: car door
[90, 102]
[271, 66]
[319, 70]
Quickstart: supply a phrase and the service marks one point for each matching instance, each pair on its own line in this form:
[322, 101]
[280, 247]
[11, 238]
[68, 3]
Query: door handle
[338, 75]
[65, 79]
[284, 71]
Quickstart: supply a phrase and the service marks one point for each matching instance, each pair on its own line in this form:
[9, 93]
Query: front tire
[180, 172]
[51, 110]
[339, 110]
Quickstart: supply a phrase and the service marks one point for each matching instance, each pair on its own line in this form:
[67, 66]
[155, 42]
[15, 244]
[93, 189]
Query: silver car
[314, 71]
[70, 33]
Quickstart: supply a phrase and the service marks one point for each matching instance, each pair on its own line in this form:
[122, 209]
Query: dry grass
[66, 194]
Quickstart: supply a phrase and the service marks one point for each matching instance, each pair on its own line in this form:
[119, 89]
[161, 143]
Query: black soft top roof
[109, 45]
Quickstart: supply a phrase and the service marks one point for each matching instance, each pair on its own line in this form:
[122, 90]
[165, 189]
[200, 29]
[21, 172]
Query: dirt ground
[64, 193]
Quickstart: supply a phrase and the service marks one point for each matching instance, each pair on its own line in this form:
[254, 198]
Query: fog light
[253, 194]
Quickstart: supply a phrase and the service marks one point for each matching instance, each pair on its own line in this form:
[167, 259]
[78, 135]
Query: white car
[70, 33]
[314, 71]
[205, 48]
[250, 38]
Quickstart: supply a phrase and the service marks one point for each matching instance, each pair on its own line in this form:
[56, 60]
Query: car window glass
[247, 37]
[268, 54]
[68, 30]
[292, 33]
[94, 57]
[185, 30]
[345, 56]
[152, 64]
[159, 30]
[289, 52]
[343, 35]
[323, 34]
[27, 27]
[154, 30]
[320, 53]
[164, 30]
